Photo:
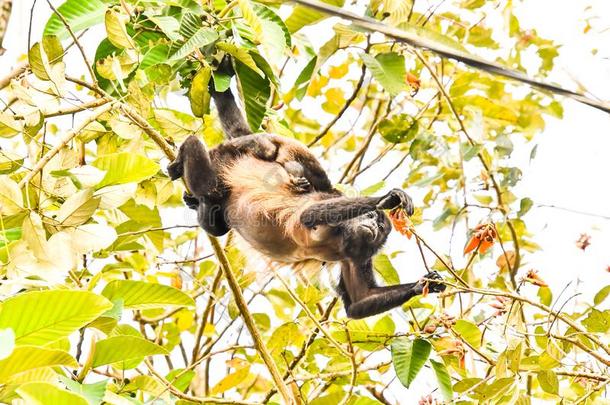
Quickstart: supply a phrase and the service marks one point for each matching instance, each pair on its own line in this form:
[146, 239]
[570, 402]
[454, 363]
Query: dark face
[363, 236]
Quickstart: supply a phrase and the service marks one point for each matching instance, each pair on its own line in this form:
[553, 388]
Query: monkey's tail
[231, 118]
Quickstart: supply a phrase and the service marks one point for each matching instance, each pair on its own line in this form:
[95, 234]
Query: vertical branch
[240, 301]
[133, 115]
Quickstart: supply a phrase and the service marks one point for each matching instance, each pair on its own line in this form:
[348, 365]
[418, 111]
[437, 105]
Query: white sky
[572, 165]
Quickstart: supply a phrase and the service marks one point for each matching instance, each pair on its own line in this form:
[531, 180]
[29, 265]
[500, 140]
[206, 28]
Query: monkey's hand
[190, 200]
[300, 185]
[433, 286]
[396, 198]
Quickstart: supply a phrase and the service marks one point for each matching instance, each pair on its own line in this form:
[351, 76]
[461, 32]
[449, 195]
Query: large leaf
[256, 91]
[125, 167]
[388, 69]
[77, 209]
[409, 357]
[43, 393]
[142, 295]
[93, 393]
[203, 36]
[302, 16]
[383, 266]
[443, 378]
[116, 29]
[199, 94]
[123, 348]
[79, 14]
[469, 332]
[25, 358]
[41, 317]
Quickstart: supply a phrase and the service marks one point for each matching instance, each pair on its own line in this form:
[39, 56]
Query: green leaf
[601, 295]
[93, 393]
[143, 295]
[44, 393]
[399, 129]
[256, 91]
[241, 55]
[41, 317]
[444, 379]
[121, 349]
[597, 321]
[383, 266]
[388, 69]
[409, 357]
[125, 167]
[469, 331]
[26, 358]
[275, 32]
[524, 206]
[203, 36]
[302, 16]
[38, 62]
[52, 48]
[548, 381]
[199, 94]
[9, 235]
[116, 29]
[78, 14]
[304, 78]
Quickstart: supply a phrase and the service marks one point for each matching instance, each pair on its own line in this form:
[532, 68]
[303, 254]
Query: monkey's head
[363, 236]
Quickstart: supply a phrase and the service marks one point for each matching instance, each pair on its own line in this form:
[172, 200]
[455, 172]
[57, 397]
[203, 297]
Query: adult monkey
[275, 194]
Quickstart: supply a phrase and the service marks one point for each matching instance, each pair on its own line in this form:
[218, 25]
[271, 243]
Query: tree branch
[417, 41]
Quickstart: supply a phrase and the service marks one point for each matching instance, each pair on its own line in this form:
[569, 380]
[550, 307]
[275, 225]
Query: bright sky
[572, 164]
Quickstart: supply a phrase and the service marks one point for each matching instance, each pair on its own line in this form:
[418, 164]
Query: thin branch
[249, 321]
[413, 39]
[63, 142]
[75, 39]
[348, 102]
[19, 69]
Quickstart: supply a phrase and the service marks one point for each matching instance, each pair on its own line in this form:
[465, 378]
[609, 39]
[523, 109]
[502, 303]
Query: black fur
[359, 222]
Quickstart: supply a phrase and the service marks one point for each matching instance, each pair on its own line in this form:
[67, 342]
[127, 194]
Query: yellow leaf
[334, 101]
[338, 72]
[231, 380]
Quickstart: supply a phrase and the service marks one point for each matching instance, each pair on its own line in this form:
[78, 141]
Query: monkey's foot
[300, 185]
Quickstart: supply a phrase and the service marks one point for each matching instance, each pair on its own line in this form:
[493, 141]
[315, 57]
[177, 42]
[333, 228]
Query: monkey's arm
[362, 296]
[336, 210]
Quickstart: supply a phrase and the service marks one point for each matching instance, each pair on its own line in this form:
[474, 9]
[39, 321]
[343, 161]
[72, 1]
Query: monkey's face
[363, 236]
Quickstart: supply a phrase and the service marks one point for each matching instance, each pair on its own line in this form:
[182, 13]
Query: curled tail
[231, 118]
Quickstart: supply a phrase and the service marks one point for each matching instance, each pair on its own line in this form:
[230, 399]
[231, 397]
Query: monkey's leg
[336, 210]
[194, 164]
[258, 145]
[366, 298]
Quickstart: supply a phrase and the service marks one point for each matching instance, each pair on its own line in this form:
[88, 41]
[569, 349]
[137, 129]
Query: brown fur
[266, 212]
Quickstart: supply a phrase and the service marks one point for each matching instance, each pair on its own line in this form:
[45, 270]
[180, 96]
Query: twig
[75, 39]
[62, 142]
[348, 102]
[19, 69]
